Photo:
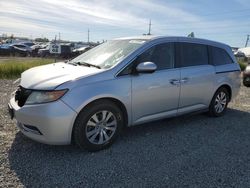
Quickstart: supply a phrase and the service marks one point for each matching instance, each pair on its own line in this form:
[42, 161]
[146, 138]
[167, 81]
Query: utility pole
[88, 35]
[55, 44]
[149, 27]
[59, 36]
[247, 40]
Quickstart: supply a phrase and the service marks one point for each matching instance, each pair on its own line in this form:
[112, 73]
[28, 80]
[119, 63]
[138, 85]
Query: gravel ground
[189, 151]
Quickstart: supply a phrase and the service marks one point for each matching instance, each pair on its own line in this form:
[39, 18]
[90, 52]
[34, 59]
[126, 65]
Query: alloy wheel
[220, 102]
[101, 127]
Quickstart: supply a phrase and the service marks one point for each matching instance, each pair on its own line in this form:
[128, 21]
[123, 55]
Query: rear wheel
[219, 102]
[98, 125]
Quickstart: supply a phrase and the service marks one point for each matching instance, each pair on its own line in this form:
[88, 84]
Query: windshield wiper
[86, 64]
[72, 63]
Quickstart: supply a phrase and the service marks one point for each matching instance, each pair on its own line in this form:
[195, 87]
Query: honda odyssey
[123, 82]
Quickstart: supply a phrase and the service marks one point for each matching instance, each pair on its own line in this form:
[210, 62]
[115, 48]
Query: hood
[50, 76]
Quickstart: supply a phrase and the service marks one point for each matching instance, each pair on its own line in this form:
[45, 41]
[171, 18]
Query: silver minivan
[123, 82]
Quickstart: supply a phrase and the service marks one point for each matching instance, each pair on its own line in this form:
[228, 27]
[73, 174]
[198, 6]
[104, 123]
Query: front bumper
[49, 123]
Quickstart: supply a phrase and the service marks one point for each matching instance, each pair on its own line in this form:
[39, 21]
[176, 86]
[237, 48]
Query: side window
[162, 55]
[220, 56]
[193, 54]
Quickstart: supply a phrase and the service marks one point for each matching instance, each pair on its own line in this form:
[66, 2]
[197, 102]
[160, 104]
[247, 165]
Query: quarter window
[220, 56]
[194, 54]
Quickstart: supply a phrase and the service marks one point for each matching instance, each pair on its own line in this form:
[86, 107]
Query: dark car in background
[246, 76]
[21, 49]
[28, 43]
[5, 50]
[65, 51]
[15, 50]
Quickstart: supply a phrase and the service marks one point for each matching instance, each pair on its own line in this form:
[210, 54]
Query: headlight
[37, 97]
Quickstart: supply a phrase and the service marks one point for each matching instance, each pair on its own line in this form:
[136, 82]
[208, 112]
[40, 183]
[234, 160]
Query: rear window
[220, 56]
[194, 54]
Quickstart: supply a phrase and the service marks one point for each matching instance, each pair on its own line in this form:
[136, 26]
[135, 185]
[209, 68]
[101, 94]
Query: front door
[156, 95]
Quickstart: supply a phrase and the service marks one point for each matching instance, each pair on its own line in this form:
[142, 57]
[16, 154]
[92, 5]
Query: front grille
[22, 95]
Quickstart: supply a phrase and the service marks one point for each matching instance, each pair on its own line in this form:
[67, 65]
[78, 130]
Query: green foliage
[42, 40]
[242, 65]
[13, 67]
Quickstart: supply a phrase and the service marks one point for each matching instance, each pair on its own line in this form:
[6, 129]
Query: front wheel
[219, 102]
[98, 125]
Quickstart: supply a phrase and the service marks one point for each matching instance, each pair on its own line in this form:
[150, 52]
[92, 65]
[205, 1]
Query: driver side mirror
[146, 67]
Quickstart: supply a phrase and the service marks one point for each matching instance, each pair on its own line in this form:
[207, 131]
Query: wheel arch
[114, 100]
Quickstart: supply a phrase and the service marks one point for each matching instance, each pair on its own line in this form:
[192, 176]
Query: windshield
[108, 54]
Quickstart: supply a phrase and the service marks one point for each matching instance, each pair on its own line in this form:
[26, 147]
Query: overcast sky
[221, 20]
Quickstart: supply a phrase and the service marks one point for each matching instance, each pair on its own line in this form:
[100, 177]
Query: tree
[42, 40]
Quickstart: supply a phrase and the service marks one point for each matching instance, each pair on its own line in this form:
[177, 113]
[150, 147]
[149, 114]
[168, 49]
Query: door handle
[174, 82]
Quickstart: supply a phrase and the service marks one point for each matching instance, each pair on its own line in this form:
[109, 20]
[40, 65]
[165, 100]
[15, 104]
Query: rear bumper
[49, 123]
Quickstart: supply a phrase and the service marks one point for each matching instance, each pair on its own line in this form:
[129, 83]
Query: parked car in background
[20, 49]
[79, 51]
[5, 50]
[44, 52]
[19, 52]
[239, 54]
[35, 48]
[246, 76]
[15, 50]
[65, 51]
[22, 46]
[245, 50]
[28, 43]
[124, 82]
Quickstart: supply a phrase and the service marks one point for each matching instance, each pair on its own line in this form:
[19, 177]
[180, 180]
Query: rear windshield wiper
[86, 64]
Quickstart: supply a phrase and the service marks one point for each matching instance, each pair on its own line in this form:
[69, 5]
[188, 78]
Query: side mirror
[146, 67]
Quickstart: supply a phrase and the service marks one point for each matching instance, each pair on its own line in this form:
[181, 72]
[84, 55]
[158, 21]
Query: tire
[218, 105]
[245, 83]
[98, 125]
